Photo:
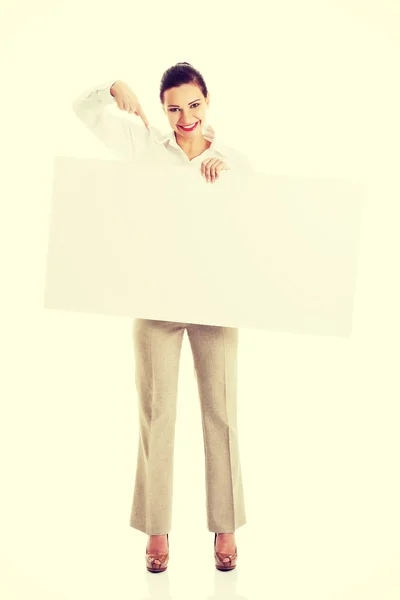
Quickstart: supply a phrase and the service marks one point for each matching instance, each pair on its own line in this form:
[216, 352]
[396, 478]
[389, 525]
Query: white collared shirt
[129, 140]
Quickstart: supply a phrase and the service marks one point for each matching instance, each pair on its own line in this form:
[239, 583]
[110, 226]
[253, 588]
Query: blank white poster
[275, 252]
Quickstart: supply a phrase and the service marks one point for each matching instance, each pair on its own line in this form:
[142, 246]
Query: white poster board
[273, 252]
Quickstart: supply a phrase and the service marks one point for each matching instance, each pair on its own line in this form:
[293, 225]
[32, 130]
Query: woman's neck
[193, 147]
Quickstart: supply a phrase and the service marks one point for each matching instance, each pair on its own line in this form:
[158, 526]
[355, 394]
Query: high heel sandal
[153, 559]
[219, 559]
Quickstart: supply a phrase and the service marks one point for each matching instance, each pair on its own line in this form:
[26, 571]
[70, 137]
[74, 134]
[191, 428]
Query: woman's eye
[193, 105]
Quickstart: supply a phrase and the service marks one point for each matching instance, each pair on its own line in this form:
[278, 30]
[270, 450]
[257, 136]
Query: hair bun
[184, 63]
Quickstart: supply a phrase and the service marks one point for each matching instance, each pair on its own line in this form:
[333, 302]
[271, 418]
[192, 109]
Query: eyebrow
[176, 106]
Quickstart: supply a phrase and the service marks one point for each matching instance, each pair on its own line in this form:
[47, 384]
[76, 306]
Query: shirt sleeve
[237, 161]
[244, 164]
[122, 137]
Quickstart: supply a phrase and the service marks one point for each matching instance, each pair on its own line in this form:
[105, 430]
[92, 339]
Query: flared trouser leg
[215, 355]
[157, 348]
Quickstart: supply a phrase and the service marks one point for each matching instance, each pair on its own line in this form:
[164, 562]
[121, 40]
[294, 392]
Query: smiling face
[186, 105]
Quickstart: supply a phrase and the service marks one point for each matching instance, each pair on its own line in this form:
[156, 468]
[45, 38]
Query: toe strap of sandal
[161, 558]
[222, 557]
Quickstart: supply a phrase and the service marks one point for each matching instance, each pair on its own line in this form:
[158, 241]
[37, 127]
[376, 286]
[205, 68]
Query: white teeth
[189, 127]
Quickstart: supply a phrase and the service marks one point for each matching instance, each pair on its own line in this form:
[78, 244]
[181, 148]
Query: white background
[303, 88]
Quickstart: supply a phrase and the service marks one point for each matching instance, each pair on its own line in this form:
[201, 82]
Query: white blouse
[129, 140]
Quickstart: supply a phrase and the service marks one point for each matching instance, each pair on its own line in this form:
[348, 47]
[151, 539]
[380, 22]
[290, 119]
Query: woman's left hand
[211, 167]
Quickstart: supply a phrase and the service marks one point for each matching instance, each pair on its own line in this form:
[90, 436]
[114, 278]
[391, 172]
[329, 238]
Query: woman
[157, 344]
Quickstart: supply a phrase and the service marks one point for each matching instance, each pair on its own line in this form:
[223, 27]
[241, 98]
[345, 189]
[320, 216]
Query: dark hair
[179, 74]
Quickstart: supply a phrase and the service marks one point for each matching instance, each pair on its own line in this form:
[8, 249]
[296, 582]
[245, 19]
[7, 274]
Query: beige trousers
[157, 349]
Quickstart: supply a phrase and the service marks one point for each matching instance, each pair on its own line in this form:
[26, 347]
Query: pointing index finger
[143, 116]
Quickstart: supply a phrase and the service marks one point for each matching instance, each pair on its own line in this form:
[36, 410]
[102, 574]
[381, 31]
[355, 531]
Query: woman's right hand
[127, 100]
